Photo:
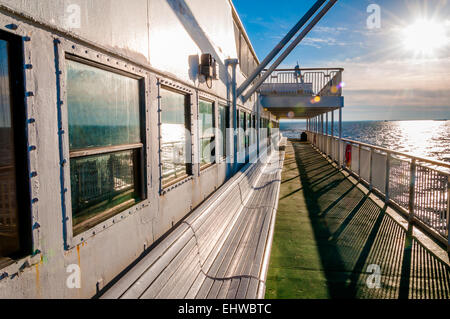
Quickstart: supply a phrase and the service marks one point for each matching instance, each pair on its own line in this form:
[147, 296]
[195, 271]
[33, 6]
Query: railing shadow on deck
[353, 233]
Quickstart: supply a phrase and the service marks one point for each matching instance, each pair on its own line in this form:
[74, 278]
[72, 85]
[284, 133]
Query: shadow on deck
[329, 234]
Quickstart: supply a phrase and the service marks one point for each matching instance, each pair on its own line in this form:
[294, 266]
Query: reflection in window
[104, 107]
[207, 134]
[223, 125]
[175, 136]
[9, 228]
[103, 112]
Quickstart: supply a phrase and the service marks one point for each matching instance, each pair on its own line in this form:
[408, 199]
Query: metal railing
[417, 186]
[173, 160]
[320, 81]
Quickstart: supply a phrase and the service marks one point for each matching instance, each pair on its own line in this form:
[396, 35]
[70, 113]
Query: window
[248, 129]
[241, 131]
[224, 120]
[253, 129]
[237, 38]
[247, 60]
[244, 56]
[175, 137]
[15, 223]
[207, 132]
[106, 149]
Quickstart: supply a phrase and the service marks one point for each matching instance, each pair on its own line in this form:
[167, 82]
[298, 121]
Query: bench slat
[225, 237]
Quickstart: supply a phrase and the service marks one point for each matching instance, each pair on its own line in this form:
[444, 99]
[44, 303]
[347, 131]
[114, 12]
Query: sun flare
[424, 37]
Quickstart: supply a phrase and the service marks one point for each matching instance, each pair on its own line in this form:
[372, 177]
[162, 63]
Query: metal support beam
[318, 124]
[340, 138]
[327, 152]
[257, 126]
[321, 133]
[388, 174]
[291, 47]
[332, 123]
[448, 214]
[359, 163]
[280, 46]
[332, 135]
[371, 169]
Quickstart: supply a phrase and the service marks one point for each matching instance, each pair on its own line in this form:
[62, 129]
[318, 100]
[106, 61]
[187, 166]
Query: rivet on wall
[12, 26]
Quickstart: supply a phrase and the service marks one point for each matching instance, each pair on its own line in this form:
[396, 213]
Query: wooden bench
[220, 251]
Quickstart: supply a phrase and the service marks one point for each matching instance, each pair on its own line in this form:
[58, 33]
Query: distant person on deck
[298, 74]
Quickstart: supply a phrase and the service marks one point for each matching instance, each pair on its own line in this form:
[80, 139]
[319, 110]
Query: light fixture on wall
[208, 68]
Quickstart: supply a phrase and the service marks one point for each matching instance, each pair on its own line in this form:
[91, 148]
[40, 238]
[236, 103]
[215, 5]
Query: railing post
[388, 173]
[370, 169]
[448, 214]
[341, 162]
[412, 190]
[326, 134]
[359, 160]
[321, 132]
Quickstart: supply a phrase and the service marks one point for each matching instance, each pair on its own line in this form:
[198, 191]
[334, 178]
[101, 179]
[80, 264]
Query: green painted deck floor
[328, 233]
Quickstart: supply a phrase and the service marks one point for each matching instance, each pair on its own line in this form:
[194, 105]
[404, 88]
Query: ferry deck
[142, 158]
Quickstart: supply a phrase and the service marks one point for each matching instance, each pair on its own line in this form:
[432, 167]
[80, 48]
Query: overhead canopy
[300, 107]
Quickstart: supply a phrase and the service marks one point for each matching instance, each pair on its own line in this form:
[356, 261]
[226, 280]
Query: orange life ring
[348, 155]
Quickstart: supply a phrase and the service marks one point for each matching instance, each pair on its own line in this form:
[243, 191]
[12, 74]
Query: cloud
[329, 30]
[320, 42]
[390, 79]
[398, 98]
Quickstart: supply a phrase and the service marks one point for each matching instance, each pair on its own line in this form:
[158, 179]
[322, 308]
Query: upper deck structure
[302, 93]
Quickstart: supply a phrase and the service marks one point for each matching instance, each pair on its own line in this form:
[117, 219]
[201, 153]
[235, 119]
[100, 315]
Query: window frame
[68, 50]
[202, 98]
[17, 53]
[176, 88]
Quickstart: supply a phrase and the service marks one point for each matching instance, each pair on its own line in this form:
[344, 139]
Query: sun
[424, 37]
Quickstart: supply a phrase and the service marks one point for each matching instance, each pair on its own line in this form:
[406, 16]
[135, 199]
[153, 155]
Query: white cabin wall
[116, 24]
[147, 32]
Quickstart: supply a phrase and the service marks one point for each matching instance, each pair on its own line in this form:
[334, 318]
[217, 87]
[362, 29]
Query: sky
[396, 53]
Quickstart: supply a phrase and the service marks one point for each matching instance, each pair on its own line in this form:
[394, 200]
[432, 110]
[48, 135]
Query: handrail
[386, 150]
[418, 186]
[308, 69]
[314, 81]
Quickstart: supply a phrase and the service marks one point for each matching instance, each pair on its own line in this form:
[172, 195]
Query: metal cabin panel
[120, 35]
[119, 25]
